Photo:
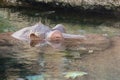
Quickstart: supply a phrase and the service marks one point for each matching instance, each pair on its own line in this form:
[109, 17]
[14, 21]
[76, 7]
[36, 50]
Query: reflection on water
[33, 65]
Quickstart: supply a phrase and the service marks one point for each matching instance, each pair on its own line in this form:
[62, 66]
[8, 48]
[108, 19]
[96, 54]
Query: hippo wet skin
[56, 37]
[102, 66]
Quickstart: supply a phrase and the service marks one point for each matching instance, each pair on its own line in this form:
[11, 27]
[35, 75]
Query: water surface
[50, 65]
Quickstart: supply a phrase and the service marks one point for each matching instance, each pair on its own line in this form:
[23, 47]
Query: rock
[86, 4]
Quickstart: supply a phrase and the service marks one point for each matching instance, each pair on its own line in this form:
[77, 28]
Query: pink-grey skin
[60, 28]
[34, 34]
[57, 37]
[39, 35]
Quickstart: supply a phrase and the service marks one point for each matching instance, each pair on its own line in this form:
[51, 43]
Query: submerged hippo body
[58, 39]
[102, 65]
[91, 42]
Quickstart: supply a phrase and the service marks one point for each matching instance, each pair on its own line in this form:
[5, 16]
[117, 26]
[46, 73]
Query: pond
[51, 65]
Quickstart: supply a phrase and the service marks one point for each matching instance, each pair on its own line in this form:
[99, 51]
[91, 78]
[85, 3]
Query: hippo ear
[33, 36]
[33, 40]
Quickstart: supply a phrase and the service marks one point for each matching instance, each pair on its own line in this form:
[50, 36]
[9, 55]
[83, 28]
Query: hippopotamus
[40, 35]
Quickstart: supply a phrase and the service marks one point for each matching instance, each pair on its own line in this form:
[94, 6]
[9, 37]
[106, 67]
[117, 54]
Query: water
[74, 22]
[50, 65]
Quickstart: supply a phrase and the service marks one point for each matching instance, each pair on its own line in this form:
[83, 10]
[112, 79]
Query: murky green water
[74, 22]
[50, 65]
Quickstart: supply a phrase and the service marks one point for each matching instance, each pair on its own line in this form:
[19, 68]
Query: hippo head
[53, 38]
